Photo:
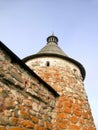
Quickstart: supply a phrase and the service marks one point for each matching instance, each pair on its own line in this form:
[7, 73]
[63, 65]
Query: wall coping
[16, 59]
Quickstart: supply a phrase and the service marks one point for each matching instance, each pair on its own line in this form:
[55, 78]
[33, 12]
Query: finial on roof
[52, 38]
[53, 34]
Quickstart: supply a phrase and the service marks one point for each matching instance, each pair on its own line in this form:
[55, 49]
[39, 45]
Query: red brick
[62, 125]
[84, 128]
[16, 128]
[24, 114]
[44, 129]
[2, 108]
[67, 104]
[81, 121]
[76, 106]
[48, 125]
[21, 107]
[74, 127]
[85, 115]
[13, 120]
[77, 113]
[67, 110]
[62, 98]
[74, 119]
[38, 127]
[3, 128]
[34, 119]
[60, 104]
[61, 115]
[26, 123]
[60, 110]
[27, 102]
[88, 122]
[91, 128]
[89, 112]
[67, 122]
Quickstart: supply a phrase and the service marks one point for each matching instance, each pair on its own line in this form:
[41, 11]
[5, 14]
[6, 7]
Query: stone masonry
[72, 110]
[65, 75]
[44, 91]
[26, 102]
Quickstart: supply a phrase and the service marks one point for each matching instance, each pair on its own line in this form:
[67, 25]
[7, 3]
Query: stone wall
[29, 103]
[72, 110]
[26, 101]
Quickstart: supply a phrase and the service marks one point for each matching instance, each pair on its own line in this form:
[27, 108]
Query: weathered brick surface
[72, 110]
[25, 102]
[2, 128]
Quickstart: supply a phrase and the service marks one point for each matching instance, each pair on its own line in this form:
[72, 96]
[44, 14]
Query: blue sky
[25, 25]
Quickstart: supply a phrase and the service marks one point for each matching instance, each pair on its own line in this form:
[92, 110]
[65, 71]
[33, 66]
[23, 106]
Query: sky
[25, 25]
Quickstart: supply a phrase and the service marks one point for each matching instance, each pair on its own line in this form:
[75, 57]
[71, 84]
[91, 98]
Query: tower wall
[52, 98]
[58, 73]
[72, 110]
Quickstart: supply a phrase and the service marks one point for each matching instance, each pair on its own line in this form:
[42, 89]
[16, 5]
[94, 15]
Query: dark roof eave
[82, 70]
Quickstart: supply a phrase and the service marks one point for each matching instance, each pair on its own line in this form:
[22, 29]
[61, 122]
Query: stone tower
[65, 75]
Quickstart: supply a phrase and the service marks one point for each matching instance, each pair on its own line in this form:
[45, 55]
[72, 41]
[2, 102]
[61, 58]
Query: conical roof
[52, 49]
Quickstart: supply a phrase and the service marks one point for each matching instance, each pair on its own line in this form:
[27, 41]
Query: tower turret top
[52, 38]
[52, 49]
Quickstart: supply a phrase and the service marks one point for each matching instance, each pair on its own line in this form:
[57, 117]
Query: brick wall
[26, 101]
[72, 110]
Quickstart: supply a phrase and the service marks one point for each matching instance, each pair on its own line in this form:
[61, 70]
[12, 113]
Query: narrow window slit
[47, 63]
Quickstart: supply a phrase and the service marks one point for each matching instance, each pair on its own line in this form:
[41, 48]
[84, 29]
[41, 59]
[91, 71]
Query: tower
[65, 75]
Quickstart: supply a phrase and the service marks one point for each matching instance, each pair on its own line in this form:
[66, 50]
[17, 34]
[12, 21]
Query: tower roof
[52, 49]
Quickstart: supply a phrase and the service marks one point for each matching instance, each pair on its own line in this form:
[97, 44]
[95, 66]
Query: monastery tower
[65, 75]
